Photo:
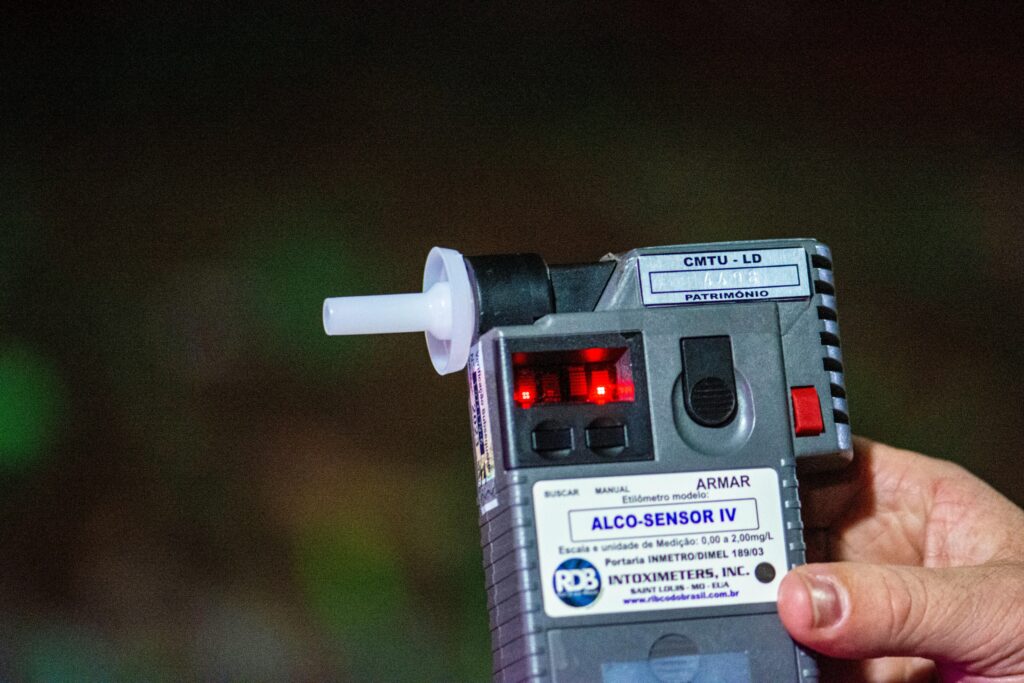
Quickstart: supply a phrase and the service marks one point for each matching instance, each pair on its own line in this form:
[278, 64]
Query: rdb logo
[577, 582]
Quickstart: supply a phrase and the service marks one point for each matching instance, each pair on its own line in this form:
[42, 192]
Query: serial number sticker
[647, 542]
[724, 276]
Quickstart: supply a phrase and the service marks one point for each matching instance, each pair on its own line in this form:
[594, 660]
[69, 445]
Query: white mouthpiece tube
[445, 310]
[430, 311]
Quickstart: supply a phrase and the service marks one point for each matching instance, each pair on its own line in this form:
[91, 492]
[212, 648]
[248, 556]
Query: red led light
[526, 387]
[594, 375]
[600, 386]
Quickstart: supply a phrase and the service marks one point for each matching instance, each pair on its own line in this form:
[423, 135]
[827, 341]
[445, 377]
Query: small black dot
[764, 572]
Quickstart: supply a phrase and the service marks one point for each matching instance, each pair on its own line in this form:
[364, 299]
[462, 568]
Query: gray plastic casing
[776, 345]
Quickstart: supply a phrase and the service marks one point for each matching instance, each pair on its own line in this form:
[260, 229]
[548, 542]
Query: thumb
[964, 615]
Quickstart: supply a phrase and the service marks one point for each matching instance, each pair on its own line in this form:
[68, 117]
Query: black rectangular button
[709, 385]
[606, 437]
[552, 439]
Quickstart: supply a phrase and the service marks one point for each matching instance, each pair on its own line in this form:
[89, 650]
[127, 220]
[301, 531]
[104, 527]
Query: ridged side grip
[795, 544]
[809, 672]
[513, 598]
[792, 520]
[832, 360]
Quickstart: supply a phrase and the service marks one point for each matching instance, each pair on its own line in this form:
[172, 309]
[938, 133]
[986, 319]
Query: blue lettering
[664, 518]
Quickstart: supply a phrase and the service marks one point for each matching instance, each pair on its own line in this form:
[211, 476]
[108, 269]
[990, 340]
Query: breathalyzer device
[637, 423]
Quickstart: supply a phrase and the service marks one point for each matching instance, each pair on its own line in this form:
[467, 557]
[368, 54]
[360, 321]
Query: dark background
[196, 483]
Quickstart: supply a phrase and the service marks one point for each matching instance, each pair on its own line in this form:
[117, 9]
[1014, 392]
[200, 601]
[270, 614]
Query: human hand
[925, 571]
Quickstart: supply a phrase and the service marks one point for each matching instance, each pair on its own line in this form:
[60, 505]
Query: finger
[911, 509]
[876, 474]
[965, 615]
[825, 497]
[888, 669]
[884, 670]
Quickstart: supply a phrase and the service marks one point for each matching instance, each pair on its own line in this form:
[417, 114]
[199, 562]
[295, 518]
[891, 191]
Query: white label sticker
[659, 541]
[724, 276]
[483, 448]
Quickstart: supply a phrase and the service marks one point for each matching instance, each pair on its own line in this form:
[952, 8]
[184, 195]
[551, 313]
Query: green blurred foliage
[32, 408]
[54, 656]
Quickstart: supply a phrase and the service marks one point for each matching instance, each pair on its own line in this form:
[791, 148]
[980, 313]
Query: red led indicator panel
[595, 375]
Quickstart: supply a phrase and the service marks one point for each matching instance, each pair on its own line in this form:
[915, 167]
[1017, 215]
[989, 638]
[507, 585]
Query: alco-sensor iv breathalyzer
[637, 427]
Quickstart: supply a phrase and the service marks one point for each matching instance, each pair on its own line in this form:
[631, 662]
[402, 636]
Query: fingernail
[825, 601]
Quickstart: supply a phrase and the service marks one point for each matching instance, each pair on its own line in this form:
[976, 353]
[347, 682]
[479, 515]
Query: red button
[806, 411]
